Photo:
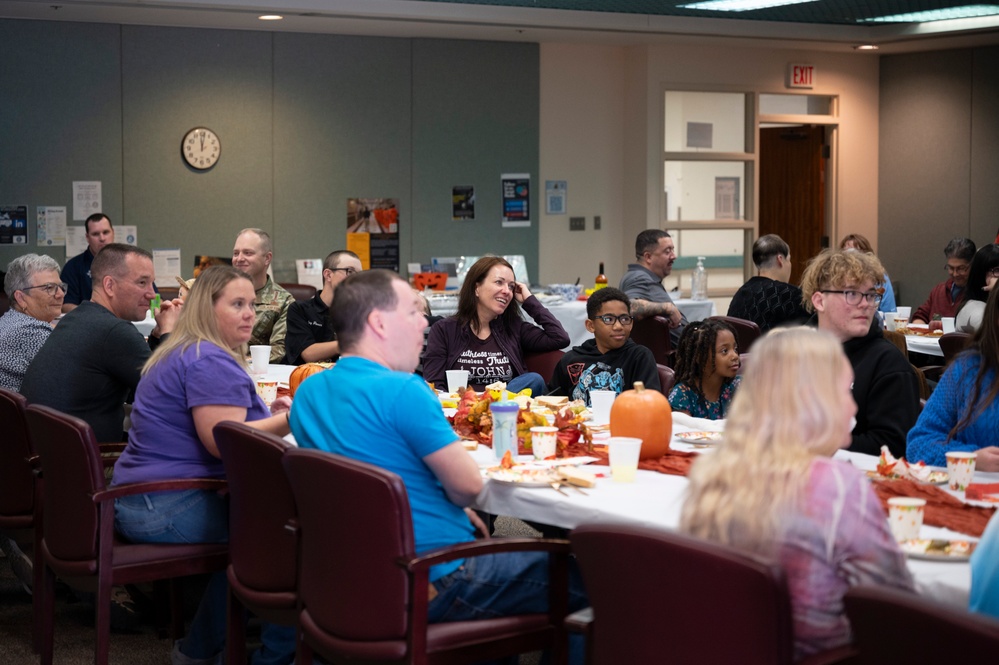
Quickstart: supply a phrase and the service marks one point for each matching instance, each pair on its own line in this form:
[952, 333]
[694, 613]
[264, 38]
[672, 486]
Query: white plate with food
[702, 438]
[932, 478]
[938, 549]
[522, 476]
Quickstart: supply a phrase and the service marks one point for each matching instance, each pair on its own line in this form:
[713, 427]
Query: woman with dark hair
[197, 378]
[982, 276]
[487, 335]
[962, 414]
[862, 244]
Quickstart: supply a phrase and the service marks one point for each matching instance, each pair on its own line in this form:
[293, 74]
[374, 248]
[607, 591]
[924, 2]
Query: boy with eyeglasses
[609, 361]
[310, 337]
[840, 287]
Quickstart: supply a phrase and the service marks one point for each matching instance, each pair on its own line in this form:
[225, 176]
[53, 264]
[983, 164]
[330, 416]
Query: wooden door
[792, 190]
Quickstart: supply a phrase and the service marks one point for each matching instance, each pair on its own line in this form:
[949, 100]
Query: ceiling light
[270, 17]
[740, 5]
[967, 11]
[866, 47]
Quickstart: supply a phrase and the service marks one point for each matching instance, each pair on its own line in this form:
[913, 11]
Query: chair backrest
[667, 378]
[72, 473]
[746, 332]
[299, 292]
[263, 553]
[17, 482]
[355, 523]
[898, 339]
[543, 363]
[952, 344]
[653, 332]
[642, 611]
[893, 626]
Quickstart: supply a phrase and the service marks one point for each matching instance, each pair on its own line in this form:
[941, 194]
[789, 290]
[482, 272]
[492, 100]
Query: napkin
[689, 423]
[942, 509]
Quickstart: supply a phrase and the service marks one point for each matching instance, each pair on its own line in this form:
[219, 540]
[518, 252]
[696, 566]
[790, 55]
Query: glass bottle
[601, 280]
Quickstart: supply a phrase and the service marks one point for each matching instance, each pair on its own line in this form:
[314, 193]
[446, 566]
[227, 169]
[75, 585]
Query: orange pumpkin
[644, 414]
[302, 372]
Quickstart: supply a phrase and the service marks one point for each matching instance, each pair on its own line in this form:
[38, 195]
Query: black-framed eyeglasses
[349, 271]
[854, 297]
[50, 287]
[957, 270]
[994, 273]
[623, 319]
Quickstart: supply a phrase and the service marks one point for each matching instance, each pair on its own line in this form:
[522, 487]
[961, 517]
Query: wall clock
[201, 148]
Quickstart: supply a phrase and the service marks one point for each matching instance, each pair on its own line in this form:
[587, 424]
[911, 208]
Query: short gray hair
[265, 239]
[23, 268]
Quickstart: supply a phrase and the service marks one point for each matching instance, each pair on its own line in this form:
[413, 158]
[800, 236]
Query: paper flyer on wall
[555, 191]
[166, 265]
[516, 191]
[378, 220]
[87, 199]
[13, 225]
[51, 221]
[127, 234]
[462, 203]
[76, 241]
[310, 271]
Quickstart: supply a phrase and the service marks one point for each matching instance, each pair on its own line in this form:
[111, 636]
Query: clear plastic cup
[456, 379]
[623, 452]
[260, 357]
[600, 403]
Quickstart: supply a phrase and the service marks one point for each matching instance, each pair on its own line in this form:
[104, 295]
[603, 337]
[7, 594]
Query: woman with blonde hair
[197, 378]
[773, 490]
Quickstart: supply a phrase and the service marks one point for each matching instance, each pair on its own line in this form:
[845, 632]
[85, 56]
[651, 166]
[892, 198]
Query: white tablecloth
[655, 500]
[572, 315]
[920, 344]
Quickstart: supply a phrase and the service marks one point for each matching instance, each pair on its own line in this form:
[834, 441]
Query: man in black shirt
[310, 336]
[767, 299]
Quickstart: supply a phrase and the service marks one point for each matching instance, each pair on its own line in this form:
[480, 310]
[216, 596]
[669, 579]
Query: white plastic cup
[948, 324]
[623, 452]
[961, 469]
[903, 312]
[260, 356]
[890, 320]
[600, 403]
[267, 391]
[905, 515]
[456, 379]
[543, 440]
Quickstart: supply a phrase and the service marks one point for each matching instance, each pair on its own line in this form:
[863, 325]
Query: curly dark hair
[695, 353]
[468, 304]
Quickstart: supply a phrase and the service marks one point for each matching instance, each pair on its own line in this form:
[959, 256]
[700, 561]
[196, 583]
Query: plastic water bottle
[504, 428]
[699, 281]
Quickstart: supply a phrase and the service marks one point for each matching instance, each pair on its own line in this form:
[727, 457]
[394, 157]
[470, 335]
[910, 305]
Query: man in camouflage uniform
[252, 254]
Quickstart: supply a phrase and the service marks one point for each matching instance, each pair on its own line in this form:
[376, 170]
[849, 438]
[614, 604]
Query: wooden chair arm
[486, 546]
[129, 489]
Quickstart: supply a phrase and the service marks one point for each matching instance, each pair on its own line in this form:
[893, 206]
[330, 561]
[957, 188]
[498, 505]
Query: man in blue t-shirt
[371, 407]
[76, 272]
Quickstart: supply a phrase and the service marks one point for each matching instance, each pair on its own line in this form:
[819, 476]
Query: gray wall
[939, 161]
[305, 121]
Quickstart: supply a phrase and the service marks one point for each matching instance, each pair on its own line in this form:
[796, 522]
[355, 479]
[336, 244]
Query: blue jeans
[496, 585]
[198, 516]
[530, 380]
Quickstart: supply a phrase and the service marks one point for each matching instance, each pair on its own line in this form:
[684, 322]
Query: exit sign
[800, 76]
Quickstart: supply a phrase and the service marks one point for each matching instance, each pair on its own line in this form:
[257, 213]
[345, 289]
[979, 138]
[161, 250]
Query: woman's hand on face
[280, 405]
[520, 291]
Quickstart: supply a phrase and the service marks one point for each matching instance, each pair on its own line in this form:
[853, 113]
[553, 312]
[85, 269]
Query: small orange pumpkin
[644, 414]
[302, 372]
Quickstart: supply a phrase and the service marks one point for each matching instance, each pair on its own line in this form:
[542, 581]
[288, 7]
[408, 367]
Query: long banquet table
[655, 500]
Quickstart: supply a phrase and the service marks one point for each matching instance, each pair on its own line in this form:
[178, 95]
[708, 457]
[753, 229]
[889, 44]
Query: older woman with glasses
[36, 293]
[982, 277]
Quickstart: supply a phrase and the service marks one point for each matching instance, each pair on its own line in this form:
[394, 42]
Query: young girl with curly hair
[707, 367]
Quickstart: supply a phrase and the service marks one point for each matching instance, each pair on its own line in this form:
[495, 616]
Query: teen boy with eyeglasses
[609, 361]
[840, 287]
[310, 337]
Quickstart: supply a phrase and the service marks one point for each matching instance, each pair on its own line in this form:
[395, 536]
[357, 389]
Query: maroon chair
[746, 332]
[78, 542]
[653, 332]
[667, 379]
[263, 553]
[643, 611]
[952, 344]
[894, 626]
[364, 597]
[299, 292]
[543, 363]
[20, 501]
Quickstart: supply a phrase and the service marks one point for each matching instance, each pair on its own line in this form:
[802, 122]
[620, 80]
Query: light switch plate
[596, 223]
[577, 223]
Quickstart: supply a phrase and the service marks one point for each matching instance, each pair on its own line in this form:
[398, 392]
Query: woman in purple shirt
[772, 489]
[196, 379]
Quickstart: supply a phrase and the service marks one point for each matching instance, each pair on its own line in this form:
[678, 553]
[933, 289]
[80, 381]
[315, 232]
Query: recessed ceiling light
[866, 47]
[967, 11]
[741, 5]
[270, 17]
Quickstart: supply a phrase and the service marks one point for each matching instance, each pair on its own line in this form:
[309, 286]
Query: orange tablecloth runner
[942, 509]
[674, 463]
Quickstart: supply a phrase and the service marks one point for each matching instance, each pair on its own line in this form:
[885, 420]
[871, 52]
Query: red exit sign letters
[800, 76]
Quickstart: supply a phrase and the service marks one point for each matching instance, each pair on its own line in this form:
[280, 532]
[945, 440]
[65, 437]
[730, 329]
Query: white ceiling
[408, 18]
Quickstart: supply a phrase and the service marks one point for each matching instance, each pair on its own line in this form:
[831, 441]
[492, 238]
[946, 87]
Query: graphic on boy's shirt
[597, 376]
